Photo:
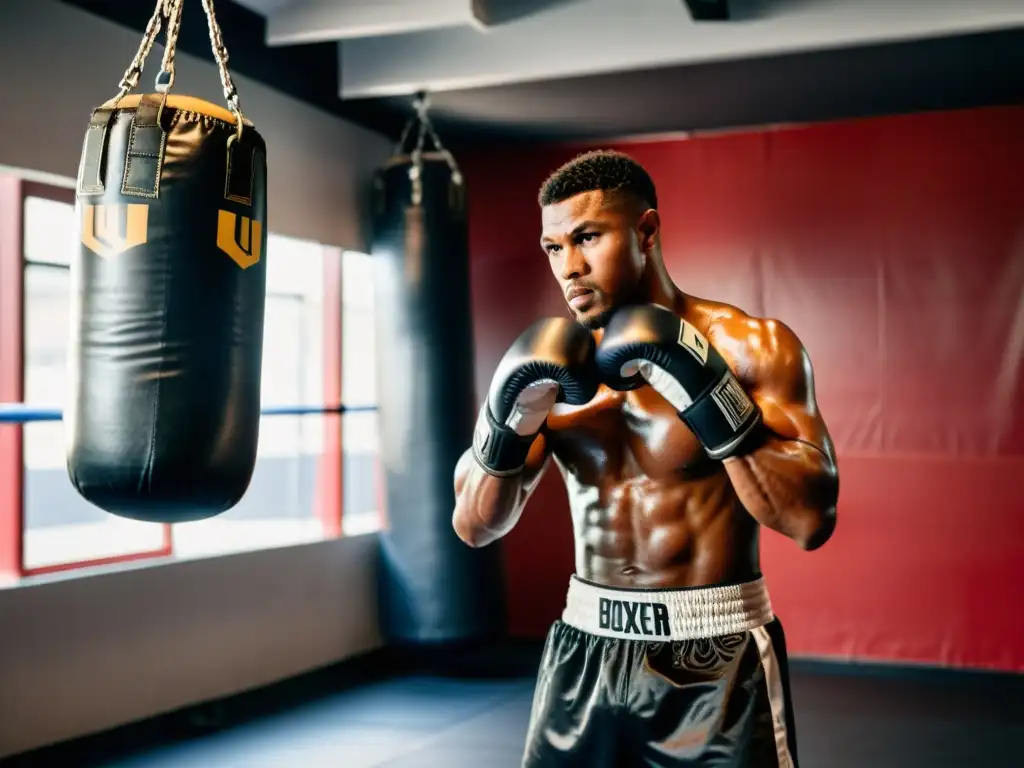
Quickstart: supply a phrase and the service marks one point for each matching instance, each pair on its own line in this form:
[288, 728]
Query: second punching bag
[168, 299]
[434, 589]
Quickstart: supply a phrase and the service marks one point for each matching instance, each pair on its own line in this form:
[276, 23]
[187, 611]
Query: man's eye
[588, 237]
[552, 248]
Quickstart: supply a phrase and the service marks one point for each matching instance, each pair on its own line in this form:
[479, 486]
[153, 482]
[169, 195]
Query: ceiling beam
[574, 38]
[950, 73]
[315, 21]
[708, 10]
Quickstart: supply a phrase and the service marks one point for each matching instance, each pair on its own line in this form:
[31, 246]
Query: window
[297, 493]
[282, 505]
[60, 527]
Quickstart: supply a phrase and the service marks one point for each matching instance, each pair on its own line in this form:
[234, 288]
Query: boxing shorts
[663, 678]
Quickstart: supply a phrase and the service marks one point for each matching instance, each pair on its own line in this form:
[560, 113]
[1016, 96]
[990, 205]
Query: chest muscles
[623, 435]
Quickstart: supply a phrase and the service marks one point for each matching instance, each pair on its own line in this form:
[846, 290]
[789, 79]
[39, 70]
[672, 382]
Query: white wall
[57, 63]
[83, 654]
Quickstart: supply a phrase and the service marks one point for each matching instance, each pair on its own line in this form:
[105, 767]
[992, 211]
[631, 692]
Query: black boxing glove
[649, 344]
[552, 361]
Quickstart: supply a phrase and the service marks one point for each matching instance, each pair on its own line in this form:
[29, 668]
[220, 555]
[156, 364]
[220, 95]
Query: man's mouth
[579, 296]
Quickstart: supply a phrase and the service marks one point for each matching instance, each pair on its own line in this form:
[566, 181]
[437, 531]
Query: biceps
[794, 422]
[794, 415]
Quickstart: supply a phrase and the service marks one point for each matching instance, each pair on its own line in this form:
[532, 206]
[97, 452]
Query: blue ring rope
[18, 413]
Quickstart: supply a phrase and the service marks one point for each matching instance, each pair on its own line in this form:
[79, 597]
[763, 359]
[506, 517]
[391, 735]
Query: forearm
[486, 507]
[789, 486]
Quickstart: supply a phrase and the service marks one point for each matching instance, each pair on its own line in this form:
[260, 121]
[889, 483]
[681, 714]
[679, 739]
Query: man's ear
[648, 228]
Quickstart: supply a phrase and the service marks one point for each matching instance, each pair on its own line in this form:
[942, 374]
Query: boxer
[680, 426]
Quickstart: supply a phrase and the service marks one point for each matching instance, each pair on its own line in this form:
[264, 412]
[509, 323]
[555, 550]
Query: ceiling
[527, 70]
[398, 47]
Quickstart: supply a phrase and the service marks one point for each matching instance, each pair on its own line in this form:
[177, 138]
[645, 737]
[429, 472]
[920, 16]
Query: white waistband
[667, 614]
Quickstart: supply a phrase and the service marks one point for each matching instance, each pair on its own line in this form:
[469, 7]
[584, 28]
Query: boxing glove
[649, 344]
[551, 361]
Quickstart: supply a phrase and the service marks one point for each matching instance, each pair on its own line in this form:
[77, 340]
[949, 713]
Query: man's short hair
[599, 170]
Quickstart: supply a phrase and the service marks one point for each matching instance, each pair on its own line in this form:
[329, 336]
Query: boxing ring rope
[18, 413]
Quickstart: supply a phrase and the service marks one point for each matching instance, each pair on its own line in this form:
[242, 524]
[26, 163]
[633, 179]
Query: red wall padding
[895, 248]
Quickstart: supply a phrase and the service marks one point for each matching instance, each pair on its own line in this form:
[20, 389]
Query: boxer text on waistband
[634, 618]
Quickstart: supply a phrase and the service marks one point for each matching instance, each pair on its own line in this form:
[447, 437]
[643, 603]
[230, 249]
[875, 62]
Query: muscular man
[680, 425]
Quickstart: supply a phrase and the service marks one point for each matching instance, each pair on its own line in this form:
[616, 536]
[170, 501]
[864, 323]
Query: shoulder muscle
[772, 363]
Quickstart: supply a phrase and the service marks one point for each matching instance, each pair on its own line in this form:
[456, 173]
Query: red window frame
[13, 193]
[12, 387]
[330, 494]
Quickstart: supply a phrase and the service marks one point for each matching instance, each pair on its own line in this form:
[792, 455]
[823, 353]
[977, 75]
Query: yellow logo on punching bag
[239, 237]
[109, 230]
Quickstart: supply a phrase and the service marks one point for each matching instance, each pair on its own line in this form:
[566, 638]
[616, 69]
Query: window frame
[12, 385]
[14, 191]
[330, 491]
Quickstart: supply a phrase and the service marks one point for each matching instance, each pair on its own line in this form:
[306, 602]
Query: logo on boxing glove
[693, 340]
[648, 344]
[732, 401]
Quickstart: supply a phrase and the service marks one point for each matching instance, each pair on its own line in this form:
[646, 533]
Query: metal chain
[405, 136]
[422, 104]
[220, 53]
[165, 79]
[134, 71]
[426, 128]
[421, 113]
[170, 11]
[416, 169]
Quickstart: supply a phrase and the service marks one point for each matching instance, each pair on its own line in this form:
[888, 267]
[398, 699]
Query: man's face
[596, 245]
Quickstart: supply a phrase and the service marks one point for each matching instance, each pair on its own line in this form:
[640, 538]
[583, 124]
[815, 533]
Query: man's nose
[573, 265]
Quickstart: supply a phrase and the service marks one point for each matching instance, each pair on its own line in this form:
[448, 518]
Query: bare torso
[649, 508]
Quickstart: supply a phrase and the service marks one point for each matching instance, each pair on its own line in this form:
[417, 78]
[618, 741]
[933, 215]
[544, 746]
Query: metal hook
[421, 103]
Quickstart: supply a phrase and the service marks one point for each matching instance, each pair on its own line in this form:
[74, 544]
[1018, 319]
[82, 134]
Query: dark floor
[846, 717]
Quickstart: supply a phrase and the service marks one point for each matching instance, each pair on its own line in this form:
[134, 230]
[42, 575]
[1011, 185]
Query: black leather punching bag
[169, 289]
[434, 588]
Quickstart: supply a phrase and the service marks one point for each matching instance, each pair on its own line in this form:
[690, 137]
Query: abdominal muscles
[671, 532]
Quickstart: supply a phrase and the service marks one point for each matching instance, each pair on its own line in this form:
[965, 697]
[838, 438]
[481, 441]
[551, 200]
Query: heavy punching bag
[434, 589]
[168, 295]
